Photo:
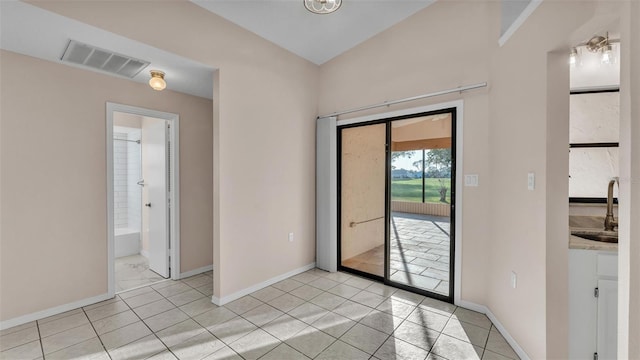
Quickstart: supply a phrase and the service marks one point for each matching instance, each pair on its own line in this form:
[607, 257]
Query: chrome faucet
[609, 221]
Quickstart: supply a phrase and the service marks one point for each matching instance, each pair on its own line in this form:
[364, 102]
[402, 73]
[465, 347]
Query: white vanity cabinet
[593, 304]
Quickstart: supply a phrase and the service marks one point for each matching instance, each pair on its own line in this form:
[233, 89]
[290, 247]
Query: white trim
[238, 294]
[197, 271]
[175, 198]
[533, 5]
[111, 257]
[175, 195]
[53, 311]
[142, 286]
[457, 271]
[459, 106]
[326, 195]
[485, 310]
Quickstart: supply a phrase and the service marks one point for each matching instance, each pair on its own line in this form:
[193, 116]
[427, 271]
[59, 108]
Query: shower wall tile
[120, 204]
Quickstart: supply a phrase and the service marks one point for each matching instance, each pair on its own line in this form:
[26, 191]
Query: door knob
[147, 204]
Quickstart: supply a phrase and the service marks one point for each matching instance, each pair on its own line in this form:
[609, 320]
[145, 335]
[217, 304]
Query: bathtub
[127, 242]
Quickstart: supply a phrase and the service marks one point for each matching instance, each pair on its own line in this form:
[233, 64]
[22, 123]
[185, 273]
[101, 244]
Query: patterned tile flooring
[419, 253]
[313, 315]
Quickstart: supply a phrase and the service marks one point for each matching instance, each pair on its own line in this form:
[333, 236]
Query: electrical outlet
[290, 237]
[531, 181]
[514, 280]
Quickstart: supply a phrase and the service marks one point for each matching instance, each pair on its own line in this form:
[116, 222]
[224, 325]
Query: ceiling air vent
[103, 60]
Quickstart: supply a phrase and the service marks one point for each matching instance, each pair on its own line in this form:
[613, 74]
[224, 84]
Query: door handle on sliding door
[354, 223]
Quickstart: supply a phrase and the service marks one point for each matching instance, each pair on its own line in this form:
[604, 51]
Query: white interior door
[155, 164]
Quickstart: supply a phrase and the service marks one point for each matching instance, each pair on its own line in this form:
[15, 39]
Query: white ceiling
[317, 38]
[33, 31]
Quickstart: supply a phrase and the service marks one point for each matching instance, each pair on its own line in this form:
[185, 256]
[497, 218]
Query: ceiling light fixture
[157, 80]
[322, 6]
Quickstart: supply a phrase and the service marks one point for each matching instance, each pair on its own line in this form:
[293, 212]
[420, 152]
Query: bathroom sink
[586, 222]
[596, 235]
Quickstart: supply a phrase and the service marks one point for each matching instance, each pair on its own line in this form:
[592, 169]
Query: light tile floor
[316, 314]
[419, 253]
[133, 271]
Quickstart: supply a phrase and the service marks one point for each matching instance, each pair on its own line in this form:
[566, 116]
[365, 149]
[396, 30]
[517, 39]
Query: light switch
[471, 180]
[531, 181]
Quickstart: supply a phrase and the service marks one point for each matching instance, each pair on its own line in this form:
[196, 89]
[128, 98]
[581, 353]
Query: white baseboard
[52, 311]
[485, 310]
[262, 285]
[195, 271]
[144, 253]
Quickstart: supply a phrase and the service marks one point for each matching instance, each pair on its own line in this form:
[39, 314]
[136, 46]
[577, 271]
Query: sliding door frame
[456, 110]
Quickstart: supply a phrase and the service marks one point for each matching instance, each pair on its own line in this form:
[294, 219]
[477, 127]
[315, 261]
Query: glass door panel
[421, 196]
[363, 198]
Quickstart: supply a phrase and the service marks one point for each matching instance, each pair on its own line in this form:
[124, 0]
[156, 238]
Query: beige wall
[264, 145]
[527, 129]
[53, 233]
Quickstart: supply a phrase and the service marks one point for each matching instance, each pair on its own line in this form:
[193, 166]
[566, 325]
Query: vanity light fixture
[573, 57]
[597, 44]
[322, 6]
[157, 80]
[607, 54]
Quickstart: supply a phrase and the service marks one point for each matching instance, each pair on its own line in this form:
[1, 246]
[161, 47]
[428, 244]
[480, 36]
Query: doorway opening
[396, 201]
[142, 191]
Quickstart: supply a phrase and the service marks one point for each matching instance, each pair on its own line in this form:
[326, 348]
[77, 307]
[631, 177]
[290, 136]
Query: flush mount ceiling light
[157, 80]
[322, 6]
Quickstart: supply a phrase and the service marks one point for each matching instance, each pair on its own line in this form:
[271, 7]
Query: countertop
[588, 222]
[584, 244]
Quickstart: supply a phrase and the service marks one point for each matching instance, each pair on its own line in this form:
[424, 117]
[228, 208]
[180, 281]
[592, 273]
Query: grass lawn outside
[411, 190]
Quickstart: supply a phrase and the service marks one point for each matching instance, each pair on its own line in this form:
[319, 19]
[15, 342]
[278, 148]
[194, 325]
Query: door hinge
[595, 356]
[596, 292]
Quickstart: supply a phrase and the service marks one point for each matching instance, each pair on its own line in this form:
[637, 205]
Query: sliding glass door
[397, 190]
